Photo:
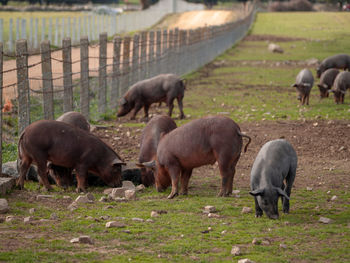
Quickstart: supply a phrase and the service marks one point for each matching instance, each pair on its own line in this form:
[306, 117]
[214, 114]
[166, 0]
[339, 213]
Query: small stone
[246, 210]
[114, 224]
[342, 148]
[236, 251]
[211, 215]
[128, 133]
[90, 197]
[245, 260]
[85, 240]
[334, 197]
[32, 211]
[67, 197]
[128, 185]
[43, 197]
[256, 241]
[90, 218]
[182, 235]
[209, 209]
[28, 219]
[140, 188]
[328, 192]
[223, 232]
[4, 206]
[137, 219]
[282, 245]
[324, 220]
[53, 216]
[108, 191]
[104, 217]
[149, 220]
[10, 219]
[274, 48]
[73, 206]
[315, 124]
[75, 240]
[265, 242]
[108, 207]
[104, 199]
[286, 223]
[308, 188]
[126, 231]
[120, 199]
[117, 192]
[209, 228]
[154, 214]
[130, 194]
[235, 192]
[82, 199]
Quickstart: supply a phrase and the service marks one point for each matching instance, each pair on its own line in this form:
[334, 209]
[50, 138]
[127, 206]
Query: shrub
[293, 5]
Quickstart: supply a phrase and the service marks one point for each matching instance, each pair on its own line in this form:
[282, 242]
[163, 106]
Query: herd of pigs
[65, 149]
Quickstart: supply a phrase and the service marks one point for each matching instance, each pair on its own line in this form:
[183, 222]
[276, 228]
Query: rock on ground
[140, 188]
[130, 194]
[274, 48]
[4, 206]
[128, 185]
[114, 224]
[245, 260]
[82, 239]
[209, 209]
[6, 184]
[117, 192]
[236, 251]
[324, 220]
[43, 197]
[154, 214]
[246, 210]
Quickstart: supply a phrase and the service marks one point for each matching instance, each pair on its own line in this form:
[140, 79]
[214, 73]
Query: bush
[293, 5]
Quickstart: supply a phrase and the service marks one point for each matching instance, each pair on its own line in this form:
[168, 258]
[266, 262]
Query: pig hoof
[258, 215]
[171, 196]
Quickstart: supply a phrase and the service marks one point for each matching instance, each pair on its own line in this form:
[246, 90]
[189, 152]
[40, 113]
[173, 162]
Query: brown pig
[157, 127]
[199, 142]
[162, 88]
[67, 146]
[63, 176]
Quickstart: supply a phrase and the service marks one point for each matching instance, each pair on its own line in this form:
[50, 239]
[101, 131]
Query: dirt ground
[186, 20]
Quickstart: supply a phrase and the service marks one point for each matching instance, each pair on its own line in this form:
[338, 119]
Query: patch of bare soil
[272, 38]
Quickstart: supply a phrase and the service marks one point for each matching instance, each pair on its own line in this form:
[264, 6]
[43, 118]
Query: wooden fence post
[102, 74]
[170, 67]
[143, 58]
[67, 75]
[158, 52]
[125, 64]
[84, 78]
[22, 85]
[177, 50]
[150, 60]
[135, 58]
[164, 54]
[115, 92]
[47, 80]
[1, 104]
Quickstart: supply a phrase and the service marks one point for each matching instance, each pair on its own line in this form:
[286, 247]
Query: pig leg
[81, 174]
[170, 106]
[42, 171]
[185, 178]
[289, 183]
[25, 164]
[179, 102]
[137, 108]
[307, 99]
[226, 178]
[146, 108]
[174, 173]
[258, 210]
[233, 169]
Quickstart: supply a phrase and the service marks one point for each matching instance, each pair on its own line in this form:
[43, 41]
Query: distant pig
[63, 176]
[340, 61]
[341, 84]
[162, 88]
[67, 146]
[304, 83]
[275, 163]
[326, 81]
[157, 127]
[199, 142]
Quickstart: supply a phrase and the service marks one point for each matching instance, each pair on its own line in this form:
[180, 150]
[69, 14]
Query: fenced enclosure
[55, 29]
[95, 91]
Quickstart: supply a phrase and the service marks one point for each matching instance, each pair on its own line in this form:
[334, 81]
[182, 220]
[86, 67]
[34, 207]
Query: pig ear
[257, 192]
[116, 161]
[294, 85]
[282, 193]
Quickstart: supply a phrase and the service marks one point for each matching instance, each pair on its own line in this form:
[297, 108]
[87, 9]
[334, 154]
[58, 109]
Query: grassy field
[253, 87]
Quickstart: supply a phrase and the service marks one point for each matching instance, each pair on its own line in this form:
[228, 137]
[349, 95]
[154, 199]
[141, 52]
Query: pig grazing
[199, 142]
[162, 88]
[63, 176]
[67, 146]
[326, 81]
[275, 163]
[157, 127]
[340, 61]
[341, 84]
[303, 84]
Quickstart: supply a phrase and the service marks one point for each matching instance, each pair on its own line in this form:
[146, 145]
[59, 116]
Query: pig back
[328, 77]
[151, 135]
[76, 119]
[342, 81]
[197, 142]
[305, 77]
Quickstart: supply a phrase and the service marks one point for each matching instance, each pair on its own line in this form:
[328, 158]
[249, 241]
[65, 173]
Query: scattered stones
[114, 224]
[245, 260]
[117, 192]
[83, 199]
[43, 197]
[236, 251]
[104, 199]
[28, 219]
[130, 194]
[6, 184]
[209, 209]
[108, 191]
[140, 188]
[10, 169]
[126, 231]
[82, 239]
[334, 197]
[282, 245]
[137, 219]
[120, 199]
[149, 220]
[324, 220]
[4, 206]
[154, 214]
[32, 210]
[128, 185]
[211, 215]
[246, 210]
[90, 197]
[309, 188]
[53, 216]
[73, 206]
[274, 48]
[10, 219]
[256, 241]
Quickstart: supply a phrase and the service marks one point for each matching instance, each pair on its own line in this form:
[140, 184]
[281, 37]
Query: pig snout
[273, 216]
